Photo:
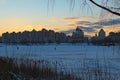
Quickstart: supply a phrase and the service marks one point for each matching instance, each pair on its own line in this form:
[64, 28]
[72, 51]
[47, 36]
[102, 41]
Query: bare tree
[112, 6]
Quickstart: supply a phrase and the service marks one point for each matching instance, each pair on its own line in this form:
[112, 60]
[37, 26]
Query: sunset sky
[61, 16]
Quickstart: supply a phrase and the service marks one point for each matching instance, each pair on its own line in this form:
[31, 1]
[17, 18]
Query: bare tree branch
[116, 13]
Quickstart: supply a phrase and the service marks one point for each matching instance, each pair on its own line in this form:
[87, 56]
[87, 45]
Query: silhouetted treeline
[43, 36]
[50, 36]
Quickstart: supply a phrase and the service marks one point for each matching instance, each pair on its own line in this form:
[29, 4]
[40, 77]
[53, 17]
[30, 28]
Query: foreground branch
[116, 13]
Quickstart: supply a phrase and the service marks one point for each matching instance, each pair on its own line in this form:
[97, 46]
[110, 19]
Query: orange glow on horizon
[27, 28]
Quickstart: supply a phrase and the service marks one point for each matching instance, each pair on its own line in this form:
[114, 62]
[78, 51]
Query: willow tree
[112, 6]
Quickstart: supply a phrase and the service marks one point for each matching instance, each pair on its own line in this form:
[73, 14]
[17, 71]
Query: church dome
[102, 30]
[78, 29]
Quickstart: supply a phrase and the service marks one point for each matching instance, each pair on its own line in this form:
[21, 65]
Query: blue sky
[20, 15]
[38, 8]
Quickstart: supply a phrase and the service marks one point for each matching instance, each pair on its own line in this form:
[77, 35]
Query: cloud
[113, 28]
[101, 22]
[70, 18]
[90, 28]
[83, 18]
[109, 22]
[98, 24]
[83, 23]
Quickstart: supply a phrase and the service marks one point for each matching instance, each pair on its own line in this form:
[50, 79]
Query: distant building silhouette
[101, 34]
[114, 37]
[111, 39]
[78, 35]
[43, 36]
[99, 38]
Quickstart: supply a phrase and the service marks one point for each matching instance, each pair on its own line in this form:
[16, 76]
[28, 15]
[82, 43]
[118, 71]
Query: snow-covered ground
[71, 57]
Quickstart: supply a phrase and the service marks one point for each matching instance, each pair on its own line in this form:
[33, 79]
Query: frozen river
[69, 56]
